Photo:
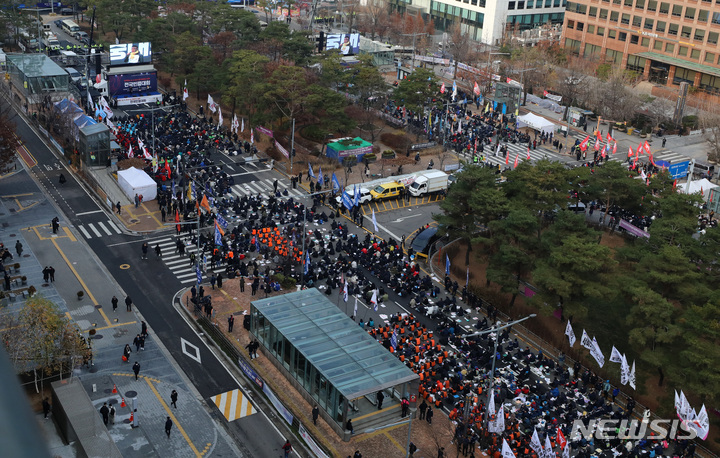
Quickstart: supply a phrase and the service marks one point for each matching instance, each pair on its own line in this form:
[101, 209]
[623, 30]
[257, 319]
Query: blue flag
[393, 340]
[347, 201]
[335, 183]
[320, 177]
[221, 221]
[198, 273]
[357, 196]
[307, 262]
[173, 187]
[447, 264]
[310, 171]
[193, 192]
[218, 236]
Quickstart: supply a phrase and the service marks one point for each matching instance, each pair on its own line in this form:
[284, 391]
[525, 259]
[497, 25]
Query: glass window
[616, 2]
[570, 24]
[684, 75]
[677, 10]
[637, 21]
[713, 38]
[556, 3]
[612, 34]
[601, 31]
[716, 18]
[664, 8]
[592, 50]
[614, 15]
[652, 5]
[657, 45]
[645, 42]
[669, 47]
[613, 56]
[603, 13]
[690, 13]
[511, 5]
[593, 11]
[640, 4]
[529, 5]
[703, 15]
[625, 19]
[699, 35]
[622, 36]
[709, 57]
[673, 29]
[695, 54]
[685, 32]
[580, 26]
[660, 28]
[521, 5]
[591, 28]
[649, 23]
[548, 3]
[629, 3]
[634, 39]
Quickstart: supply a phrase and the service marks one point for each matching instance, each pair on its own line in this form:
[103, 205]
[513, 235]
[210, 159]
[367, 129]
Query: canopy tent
[704, 186]
[65, 106]
[135, 181]
[536, 122]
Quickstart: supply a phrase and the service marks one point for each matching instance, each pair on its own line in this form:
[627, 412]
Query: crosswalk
[519, 150]
[179, 265]
[621, 156]
[98, 229]
[262, 187]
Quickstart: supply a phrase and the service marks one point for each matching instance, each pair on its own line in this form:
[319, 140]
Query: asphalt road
[152, 290]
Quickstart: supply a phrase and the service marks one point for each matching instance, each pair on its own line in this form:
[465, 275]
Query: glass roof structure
[352, 361]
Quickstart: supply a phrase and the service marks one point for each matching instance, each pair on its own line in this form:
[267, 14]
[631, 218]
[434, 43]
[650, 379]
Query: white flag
[548, 447]
[252, 137]
[373, 300]
[491, 404]
[597, 353]
[185, 91]
[535, 443]
[211, 104]
[234, 124]
[355, 309]
[570, 333]
[345, 292]
[631, 379]
[242, 125]
[374, 221]
[498, 426]
[701, 423]
[624, 371]
[615, 356]
[220, 118]
[566, 451]
[677, 402]
[507, 451]
[585, 341]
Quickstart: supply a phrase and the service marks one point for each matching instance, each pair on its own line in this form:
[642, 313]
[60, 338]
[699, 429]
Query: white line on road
[380, 226]
[85, 233]
[88, 213]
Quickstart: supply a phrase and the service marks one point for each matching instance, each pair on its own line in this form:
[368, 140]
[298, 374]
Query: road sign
[679, 170]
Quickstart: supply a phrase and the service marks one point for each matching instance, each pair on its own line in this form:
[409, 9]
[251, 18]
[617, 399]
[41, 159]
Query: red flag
[674, 184]
[507, 158]
[516, 161]
[177, 219]
[442, 88]
[637, 155]
[630, 152]
[205, 204]
[604, 154]
[701, 191]
[476, 89]
[584, 143]
[597, 145]
[646, 145]
[561, 438]
[609, 137]
[598, 135]
[634, 163]
[167, 169]
[614, 147]
[639, 149]
[528, 156]
[652, 161]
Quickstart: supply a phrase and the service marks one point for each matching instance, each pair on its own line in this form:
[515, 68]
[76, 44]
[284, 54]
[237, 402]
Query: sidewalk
[194, 432]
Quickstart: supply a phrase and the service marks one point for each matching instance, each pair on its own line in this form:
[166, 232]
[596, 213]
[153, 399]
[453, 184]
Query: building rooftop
[36, 65]
[352, 361]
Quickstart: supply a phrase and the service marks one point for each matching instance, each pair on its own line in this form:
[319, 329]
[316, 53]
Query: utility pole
[292, 146]
[414, 35]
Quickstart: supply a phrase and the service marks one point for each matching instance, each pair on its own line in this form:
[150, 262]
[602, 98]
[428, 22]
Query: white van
[364, 195]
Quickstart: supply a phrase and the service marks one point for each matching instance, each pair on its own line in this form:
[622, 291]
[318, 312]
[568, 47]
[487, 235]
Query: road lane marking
[233, 405]
[88, 213]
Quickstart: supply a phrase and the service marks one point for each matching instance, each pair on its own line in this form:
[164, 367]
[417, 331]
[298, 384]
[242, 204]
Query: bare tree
[374, 18]
[709, 120]
[571, 82]
[614, 98]
[461, 46]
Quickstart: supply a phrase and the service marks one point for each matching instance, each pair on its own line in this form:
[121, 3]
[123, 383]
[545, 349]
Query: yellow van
[387, 190]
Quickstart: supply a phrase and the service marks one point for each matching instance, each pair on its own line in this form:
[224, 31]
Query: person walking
[287, 448]
[112, 415]
[231, 322]
[380, 397]
[349, 426]
[405, 407]
[136, 342]
[51, 272]
[219, 281]
[114, 302]
[144, 250]
[213, 280]
[143, 329]
[242, 284]
[19, 248]
[126, 353]
[423, 407]
[173, 398]
[429, 415]
[158, 251]
[119, 207]
[168, 426]
[136, 369]
[105, 412]
[46, 407]
[315, 414]
[128, 304]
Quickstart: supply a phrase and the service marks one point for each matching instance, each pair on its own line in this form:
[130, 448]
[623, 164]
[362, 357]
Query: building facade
[669, 42]
[487, 20]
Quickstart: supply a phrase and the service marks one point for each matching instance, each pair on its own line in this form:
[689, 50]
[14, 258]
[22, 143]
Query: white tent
[697, 186]
[536, 122]
[134, 181]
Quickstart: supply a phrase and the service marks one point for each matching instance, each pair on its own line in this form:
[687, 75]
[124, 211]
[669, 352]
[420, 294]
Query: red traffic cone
[132, 417]
[122, 404]
[114, 389]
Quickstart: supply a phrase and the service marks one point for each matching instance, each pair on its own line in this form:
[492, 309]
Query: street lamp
[496, 329]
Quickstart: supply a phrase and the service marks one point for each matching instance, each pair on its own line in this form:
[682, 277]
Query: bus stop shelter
[328, 358]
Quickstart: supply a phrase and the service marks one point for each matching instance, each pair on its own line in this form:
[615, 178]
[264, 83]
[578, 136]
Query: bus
[69, 26]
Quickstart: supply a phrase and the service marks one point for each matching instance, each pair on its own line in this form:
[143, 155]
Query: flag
[177, 220]
[218, 236]
[146, 154]
[569, 332]
[204, 203]
[252, 137]
[615, 355]
[609, 137]
[535, 443]
[311, 174]
[211, 104]
[507, 451]
[447, 265]
[584, 143]
[491, 404]
[442, 88]
[597, 353]
[220, 118]
[346, 200]
[198, 273]
[674, 184]
[624, 371]
[639, 150]
[193, 192]
[585, 341]
[242, 125]
[631, 378]
[335, 183]
[528, 156]
[185, 91]
[345, 292]
[614, 147]
[517, 157]
[130, 153]
[393, 340]
[646, 147]
[507, 158]
[476, 89]
[234, 124]
[357, 196]
[597, 145]
[373, 300]
[321, 182]
[374, 221]
[467, 276]
[498, 426]
[454, 94]
[548, 447]
[562, 442]
[307, 261]
[221, 221]
[566, 451]
[598, 135]
[630, 151]
[91, 105]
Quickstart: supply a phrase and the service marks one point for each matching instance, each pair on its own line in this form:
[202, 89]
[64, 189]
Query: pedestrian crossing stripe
[89, 230]
[233, 405]
[264, 187]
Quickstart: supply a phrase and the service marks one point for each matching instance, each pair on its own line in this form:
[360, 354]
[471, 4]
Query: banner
[285, 413]
[311, 442]
[634, 230]
[498, 426]
[615, 355]
[598, 355]
[281, 149]
[570, 333]
[131, 84]
[265, 131]
[250, 372]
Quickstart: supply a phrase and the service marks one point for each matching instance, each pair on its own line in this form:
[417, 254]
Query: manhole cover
[130, 394]
[134, 221]
[113, 400]
[107, 390]
[97, 336]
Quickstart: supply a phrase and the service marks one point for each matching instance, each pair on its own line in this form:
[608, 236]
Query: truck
[50, 40]
[429, 181]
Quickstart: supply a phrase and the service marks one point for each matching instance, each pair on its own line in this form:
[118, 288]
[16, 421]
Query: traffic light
[293, 152]
[321, 41]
